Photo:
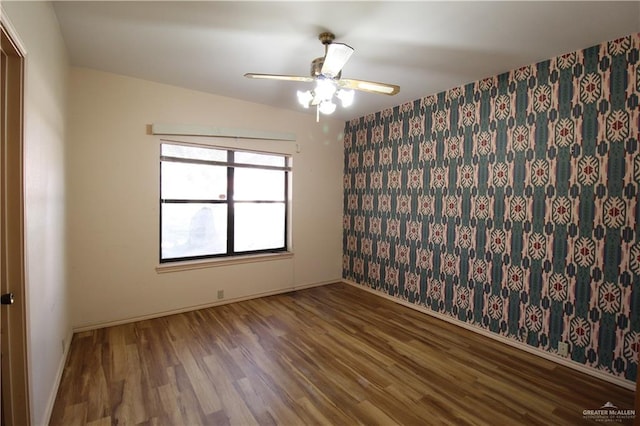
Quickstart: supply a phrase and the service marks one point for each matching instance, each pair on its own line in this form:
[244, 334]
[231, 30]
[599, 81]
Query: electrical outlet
[563, 348]
[220, 294]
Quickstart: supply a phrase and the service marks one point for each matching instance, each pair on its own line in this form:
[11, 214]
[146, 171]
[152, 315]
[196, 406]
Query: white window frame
[281, 148]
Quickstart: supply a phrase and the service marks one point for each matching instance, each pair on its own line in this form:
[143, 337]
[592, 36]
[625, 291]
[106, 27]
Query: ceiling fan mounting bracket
[326, 38]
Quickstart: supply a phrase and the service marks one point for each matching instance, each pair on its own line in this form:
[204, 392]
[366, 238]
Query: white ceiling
[425, 47]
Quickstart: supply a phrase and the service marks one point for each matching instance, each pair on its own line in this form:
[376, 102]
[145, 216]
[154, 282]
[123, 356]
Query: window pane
[258, 185]
[193, 229]
[183, 181]
[259, 159]
[259, 226]
[193, 152]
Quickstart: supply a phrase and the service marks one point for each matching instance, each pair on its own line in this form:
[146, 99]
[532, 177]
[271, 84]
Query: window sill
[213, 263]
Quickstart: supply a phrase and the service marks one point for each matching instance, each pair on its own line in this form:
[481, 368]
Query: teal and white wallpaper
[510, 203]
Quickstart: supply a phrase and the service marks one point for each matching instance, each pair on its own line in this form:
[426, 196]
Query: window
[218, 202]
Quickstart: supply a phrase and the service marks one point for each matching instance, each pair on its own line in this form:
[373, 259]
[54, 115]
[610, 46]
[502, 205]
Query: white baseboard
[627, 384]
[96, 326]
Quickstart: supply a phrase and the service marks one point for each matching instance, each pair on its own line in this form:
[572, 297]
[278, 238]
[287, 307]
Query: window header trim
[221, 132]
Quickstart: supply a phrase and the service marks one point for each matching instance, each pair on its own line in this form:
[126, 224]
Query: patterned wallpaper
[510, 203]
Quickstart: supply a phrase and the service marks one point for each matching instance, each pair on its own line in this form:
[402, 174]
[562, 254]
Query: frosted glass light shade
[346, 97]
[327, 107]
[305, 98]
[325, 89]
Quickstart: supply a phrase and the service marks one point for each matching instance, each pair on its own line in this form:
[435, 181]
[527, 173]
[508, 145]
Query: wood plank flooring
[327, 355]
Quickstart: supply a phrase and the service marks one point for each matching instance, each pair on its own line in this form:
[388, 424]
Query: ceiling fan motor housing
[316, 68]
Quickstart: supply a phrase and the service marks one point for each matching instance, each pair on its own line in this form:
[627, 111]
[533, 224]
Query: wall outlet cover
[563, 348]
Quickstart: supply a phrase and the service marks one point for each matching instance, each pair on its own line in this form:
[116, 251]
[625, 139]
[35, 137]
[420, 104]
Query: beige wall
[44, 162]
[113, 169]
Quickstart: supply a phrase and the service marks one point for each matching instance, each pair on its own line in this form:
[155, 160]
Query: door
[13, 348]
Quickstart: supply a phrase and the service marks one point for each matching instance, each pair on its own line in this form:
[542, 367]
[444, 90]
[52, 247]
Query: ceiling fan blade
[369, 86]
[337, 55]
[279, 77]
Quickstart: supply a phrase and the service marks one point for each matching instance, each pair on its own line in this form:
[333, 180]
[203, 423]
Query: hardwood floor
[328, 355]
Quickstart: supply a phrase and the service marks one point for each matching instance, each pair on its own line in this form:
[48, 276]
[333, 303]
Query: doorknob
[6, 299]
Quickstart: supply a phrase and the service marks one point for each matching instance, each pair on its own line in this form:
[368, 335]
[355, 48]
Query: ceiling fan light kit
[326, 71]
[323, 94]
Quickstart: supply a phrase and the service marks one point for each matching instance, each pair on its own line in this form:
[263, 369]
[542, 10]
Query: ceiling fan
[326, 72]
